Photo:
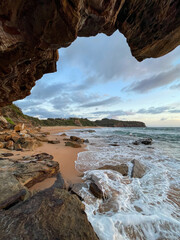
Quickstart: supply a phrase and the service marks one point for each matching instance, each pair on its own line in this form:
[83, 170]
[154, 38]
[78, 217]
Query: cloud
[174, 111]
[143, 111]
[44, 91]
[176, 86]
[163, 119]
[104, 59]
[153, 110]
[109, 101]
[155, 81]
[114, 113]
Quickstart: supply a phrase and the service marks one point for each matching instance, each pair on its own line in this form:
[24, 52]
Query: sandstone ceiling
[32, 31]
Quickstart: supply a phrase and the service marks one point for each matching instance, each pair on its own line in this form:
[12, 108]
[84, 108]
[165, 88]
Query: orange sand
[65, 156]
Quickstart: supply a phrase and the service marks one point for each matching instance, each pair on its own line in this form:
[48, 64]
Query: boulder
[10, 145]
[73, 144]
[2, 144]
[77, 189]
[81, 141]
[42, 157]
[19, 127]
[96, 190]
[32, 171]
[146, 141]
[7, 138]
[63, 135]
[17, 147]
[15, 137]
[53, 141]
[138, 169]
[86, 141]
[31, 144]
[74, 138]
[48, 215]
[90, 131]
[123, 168]
[11, 191]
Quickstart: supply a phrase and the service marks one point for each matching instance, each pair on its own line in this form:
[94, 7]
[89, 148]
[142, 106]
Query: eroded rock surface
[32, 31]
[123, 168]
[11, 191]
[50, 214]
[138, 169]
[30, 170]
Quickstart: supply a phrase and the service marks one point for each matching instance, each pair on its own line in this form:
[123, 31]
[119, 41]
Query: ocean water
[134, 209]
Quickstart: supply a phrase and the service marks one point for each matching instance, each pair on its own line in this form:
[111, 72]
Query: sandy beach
[65, 156]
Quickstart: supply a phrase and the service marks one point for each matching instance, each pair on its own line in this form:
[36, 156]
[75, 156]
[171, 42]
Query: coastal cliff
[13, 115]
[105, 122]
[32, 31]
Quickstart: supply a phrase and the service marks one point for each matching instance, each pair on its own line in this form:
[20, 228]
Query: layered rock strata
[32, 31]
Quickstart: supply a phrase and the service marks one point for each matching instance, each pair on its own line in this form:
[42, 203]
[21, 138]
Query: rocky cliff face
[32, 31]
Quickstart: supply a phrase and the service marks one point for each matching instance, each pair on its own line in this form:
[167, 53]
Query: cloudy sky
[98, 77]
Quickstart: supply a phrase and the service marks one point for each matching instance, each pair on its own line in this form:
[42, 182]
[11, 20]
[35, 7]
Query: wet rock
[63, 135]
[53, 141]
[49, 214]
[81, 141]
[77, 189]
[73, 144]
[74, 138]
[146, 141]
[123, 168]
[96, 190]
[114, 144]
[90, 131]
[86, 141]
[11, 191]
[138, 169]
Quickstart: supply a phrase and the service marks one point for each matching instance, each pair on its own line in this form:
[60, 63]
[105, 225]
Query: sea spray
[145, 208]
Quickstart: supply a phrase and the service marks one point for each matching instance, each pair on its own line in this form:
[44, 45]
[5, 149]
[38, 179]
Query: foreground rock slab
[48, 215]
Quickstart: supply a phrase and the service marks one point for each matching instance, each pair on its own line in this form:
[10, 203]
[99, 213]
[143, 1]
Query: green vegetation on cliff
[13, 115]
[105, 122]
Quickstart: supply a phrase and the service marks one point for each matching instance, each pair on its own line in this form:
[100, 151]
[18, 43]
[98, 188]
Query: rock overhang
[31, 32]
